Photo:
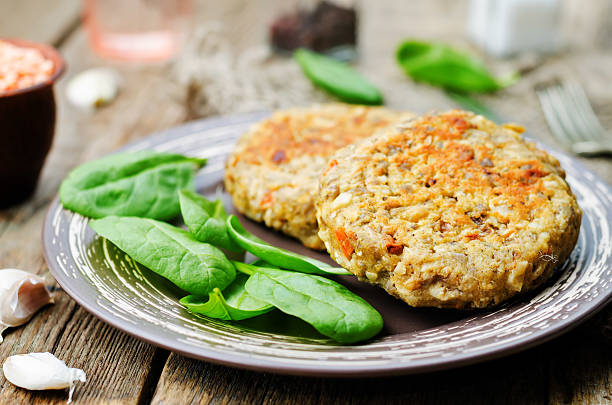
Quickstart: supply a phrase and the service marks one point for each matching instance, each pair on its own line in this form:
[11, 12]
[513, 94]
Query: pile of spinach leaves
[130, 193]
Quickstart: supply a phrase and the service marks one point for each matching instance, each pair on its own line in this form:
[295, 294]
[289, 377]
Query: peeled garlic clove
[93, 88]
[22, 294]
[41, 371]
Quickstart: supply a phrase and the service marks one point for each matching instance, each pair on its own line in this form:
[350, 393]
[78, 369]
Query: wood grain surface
[575, 368]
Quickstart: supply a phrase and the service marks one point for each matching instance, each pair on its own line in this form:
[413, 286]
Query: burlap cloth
[216, 80]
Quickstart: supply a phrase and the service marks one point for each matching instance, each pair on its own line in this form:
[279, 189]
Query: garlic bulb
[22, 294]
[41, 371]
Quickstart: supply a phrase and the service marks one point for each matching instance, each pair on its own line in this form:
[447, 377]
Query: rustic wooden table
[575, 368]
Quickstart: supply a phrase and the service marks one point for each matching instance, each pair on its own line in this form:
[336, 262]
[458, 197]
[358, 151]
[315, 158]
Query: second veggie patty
[273, 172]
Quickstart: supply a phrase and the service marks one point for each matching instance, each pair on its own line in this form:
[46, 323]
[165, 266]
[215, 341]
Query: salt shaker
[507, 27]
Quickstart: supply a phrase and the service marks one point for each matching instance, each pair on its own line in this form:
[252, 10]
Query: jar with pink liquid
[137, 30]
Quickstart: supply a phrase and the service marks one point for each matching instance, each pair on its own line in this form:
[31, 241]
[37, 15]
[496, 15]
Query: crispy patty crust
[448, 210]
[273, 172]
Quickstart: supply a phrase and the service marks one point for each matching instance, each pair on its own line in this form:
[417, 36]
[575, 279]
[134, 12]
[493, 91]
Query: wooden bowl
[27, 125]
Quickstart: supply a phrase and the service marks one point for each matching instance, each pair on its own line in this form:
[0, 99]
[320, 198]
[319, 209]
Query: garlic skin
[41, 371]
[22, 294]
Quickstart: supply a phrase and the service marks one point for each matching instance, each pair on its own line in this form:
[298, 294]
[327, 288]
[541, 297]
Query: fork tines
[571, 118]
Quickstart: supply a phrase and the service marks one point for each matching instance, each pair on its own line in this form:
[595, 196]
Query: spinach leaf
[275, 255]
[337, 78]
[142, 184]
[206, 220]
[251, 268]
[262, 263]
[169, 251]
[443, 66]
[328, 306]
[233, 304]
[469, 103]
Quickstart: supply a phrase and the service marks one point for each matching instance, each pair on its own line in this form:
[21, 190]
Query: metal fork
[572, 120]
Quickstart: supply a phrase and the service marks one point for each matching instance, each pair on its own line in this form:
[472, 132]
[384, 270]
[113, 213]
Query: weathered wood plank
[580, 370]
[40, 21]
[573, 369]
[186, 381]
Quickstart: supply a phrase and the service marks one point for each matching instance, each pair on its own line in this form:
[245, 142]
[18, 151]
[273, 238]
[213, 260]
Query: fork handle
[592, 148]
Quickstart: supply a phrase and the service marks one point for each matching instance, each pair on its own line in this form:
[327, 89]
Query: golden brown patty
[448, 210]
[273, 172]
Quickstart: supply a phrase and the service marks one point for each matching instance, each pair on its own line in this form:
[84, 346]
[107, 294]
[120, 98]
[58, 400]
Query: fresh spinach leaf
[169, 251]
[263, 263]
[471, 104]
[206, 220]
[328, 306]
[251, 268]
[233, 304]
[275, 255]
[443, 66]
[143, 184]
[337, 78]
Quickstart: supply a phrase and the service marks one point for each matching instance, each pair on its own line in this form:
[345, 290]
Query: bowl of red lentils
[28, 72]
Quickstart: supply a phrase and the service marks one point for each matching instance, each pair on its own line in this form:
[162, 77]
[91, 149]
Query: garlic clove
[22, 294]
[23, 301]
[93, 88]
[8, 277]
[41, 371]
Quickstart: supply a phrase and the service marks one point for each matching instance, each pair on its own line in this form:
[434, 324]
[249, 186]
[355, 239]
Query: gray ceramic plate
[106, 282]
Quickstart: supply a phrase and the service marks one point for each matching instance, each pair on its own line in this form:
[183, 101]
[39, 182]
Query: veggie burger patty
[448, 210]
[273, 172]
